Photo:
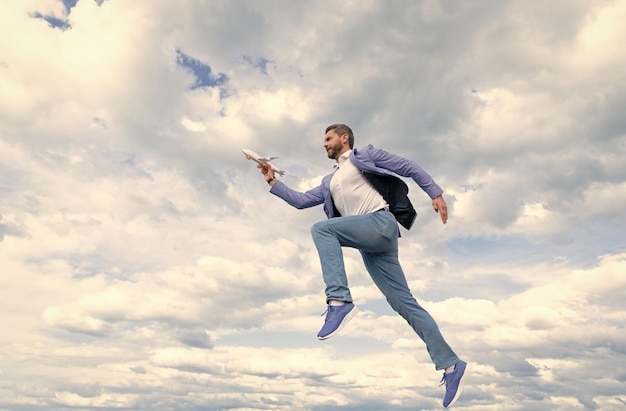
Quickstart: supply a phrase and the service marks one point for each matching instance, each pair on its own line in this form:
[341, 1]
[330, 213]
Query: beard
[333, 153]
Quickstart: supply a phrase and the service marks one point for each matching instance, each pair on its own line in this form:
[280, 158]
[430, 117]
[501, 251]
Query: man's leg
[370, 232]
[387, 274]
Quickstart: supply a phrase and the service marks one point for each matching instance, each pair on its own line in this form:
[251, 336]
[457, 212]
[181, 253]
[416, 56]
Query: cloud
[145, 265]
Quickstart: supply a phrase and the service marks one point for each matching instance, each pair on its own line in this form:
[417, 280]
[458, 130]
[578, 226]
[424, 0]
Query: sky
[144, 265]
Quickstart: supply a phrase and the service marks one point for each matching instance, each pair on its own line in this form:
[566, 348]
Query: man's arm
[407, 168]
[294, 198]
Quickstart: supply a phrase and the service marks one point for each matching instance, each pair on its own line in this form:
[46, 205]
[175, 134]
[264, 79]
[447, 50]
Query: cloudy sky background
[144, 265]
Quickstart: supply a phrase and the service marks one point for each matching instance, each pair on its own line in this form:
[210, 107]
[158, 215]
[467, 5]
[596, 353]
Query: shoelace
[444, 380]
[329, 310]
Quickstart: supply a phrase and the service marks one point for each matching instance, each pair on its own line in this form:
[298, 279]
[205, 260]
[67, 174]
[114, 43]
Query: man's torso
[352, 193]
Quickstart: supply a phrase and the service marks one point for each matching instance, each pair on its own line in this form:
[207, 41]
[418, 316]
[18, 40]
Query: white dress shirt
[351, 192]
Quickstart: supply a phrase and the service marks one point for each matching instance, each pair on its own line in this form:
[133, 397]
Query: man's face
[334, 144]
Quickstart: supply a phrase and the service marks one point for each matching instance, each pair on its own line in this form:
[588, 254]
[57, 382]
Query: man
[365, 200]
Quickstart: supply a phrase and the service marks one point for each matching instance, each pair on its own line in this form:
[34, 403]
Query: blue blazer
[382, 169]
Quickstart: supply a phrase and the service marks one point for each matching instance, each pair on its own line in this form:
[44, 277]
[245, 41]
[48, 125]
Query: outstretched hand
[268, 173]
[439, 204]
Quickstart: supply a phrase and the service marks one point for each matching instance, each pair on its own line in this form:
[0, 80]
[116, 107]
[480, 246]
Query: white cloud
[145, 266]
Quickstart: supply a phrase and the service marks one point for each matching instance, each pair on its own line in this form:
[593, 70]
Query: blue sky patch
[53, 21]
[57, 22]
[259, 63]
[203, 73]
[69, 4]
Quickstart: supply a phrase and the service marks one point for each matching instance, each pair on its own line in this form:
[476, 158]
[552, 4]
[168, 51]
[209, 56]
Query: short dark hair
[341, 129]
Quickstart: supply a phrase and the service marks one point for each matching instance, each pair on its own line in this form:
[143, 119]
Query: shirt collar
[343, 158]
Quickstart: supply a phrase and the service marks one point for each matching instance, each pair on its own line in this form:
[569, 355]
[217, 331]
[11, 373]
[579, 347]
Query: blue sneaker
[336, 318]
[454, 383]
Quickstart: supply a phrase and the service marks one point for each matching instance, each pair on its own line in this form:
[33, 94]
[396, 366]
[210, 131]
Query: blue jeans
[375, 235]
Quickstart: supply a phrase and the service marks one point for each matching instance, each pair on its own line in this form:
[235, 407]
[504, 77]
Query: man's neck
[345, 150]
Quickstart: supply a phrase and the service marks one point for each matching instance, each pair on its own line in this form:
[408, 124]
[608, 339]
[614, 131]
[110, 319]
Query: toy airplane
[262, 161]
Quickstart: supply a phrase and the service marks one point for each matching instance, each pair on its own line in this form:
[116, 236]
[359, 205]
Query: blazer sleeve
[405, 168]
[299, 200]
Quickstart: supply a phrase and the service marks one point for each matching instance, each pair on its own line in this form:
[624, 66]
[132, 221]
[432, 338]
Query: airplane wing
[278, 171]
[267, 159]
[263, 161]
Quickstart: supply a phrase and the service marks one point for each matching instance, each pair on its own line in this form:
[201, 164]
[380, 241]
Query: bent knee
[318, 227]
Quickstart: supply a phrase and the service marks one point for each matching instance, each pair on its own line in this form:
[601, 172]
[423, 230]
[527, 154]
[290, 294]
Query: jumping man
[364, 200]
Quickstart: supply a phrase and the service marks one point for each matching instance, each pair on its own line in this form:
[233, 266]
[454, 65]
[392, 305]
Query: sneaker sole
[459, 391]
[345, 320]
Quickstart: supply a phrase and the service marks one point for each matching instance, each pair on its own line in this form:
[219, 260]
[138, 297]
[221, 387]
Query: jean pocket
[386, 225]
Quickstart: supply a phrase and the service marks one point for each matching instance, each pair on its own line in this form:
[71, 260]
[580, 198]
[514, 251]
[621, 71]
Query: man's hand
[439, 204]
[268, 173]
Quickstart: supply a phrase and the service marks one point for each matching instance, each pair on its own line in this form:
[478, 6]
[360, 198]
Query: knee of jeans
[317, 228]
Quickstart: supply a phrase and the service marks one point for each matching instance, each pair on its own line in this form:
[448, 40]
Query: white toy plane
[262, 161]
